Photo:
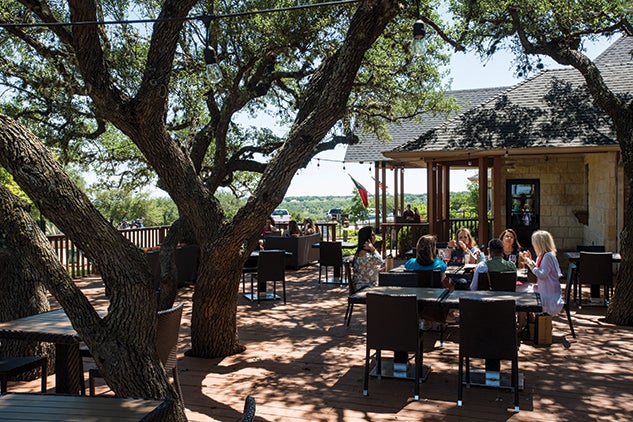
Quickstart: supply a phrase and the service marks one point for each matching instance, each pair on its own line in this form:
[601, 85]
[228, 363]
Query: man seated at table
[496, 263]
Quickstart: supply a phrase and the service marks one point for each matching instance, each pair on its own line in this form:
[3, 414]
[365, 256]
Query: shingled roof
[370, 147]
[552, 109]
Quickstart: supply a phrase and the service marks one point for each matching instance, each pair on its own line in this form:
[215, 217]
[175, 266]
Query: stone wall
[564, 183]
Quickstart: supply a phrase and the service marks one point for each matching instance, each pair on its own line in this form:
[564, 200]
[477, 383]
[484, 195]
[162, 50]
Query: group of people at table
[505, 254]
[294, 229]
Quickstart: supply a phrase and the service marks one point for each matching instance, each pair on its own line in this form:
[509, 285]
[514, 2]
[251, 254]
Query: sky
[323, 177]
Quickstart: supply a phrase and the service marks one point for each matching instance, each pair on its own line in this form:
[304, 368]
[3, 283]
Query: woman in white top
[547, 272]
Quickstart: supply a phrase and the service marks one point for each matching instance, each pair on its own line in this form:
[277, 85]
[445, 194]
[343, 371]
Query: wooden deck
[302, 364]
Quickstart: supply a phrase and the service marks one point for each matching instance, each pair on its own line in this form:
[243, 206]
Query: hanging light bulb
[214, 73]
[418, 45]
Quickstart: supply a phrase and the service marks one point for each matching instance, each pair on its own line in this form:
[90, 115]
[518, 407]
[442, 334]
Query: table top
[255, 253]
[52, 326]
[575, 256]
[46, 407]
[423, 294]
[525, 301]
[344, 245]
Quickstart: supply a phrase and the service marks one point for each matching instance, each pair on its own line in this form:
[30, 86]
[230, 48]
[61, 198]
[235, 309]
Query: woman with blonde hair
[547, 272]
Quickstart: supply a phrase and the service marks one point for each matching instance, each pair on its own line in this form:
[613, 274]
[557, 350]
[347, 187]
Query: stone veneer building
[547, 157]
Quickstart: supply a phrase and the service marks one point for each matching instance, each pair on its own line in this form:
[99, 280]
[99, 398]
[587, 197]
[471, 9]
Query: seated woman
[512, 248]
[465, 250]
[367, 260]
[293, 229]
[269, 227]
[426, 258]
[308, 227]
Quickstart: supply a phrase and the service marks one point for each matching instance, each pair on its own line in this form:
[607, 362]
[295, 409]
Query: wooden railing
[77, 264]
[399, 238]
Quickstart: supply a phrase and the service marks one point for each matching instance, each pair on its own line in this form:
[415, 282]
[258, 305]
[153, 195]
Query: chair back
[167, 335]
[429, 279]
[411, 279]
[271, 265]
[400, 279]
[487, 329]
[590, 248]
[595, 268]
[331, 254]
[392, 322]
[500, 281]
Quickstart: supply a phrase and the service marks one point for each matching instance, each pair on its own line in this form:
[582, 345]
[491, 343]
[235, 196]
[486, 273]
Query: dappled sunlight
[302, 363]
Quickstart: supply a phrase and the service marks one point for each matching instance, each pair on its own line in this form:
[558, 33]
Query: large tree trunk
[123, 342]
[23, 294]
[620, 309]
[214, 317]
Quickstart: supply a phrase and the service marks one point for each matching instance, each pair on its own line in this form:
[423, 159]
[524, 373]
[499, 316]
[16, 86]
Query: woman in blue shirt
[426, 257]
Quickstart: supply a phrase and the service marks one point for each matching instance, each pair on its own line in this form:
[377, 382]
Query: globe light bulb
[418, 47]
[214, 73]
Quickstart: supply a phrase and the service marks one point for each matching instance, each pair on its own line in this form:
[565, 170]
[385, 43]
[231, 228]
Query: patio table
[53, 327]
[44, 407]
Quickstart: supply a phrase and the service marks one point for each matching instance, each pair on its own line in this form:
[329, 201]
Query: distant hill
[316, 207]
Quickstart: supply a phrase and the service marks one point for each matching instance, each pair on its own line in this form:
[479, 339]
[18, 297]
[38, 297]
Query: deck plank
[301, 363]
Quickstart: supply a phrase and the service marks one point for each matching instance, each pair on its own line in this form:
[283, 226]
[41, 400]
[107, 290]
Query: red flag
[362, 192]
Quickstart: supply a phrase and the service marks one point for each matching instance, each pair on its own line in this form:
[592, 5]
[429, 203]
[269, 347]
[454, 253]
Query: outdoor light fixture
[418, 47]
[214, 73]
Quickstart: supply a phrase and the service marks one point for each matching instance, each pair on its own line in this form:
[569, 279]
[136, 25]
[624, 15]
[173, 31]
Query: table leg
[67, 368]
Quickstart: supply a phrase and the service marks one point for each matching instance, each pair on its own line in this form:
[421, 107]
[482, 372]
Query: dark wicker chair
[572, 270]
[249, 409]
[12, 366]
[166, 345]
[271, 266]
[419, 279]
[595, 268]
[487, 330]
[331, 255]
[500, 281]
[392, 324]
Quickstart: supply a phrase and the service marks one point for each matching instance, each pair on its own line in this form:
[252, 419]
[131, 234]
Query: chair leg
[418, 369]
[366, 375]
[348, 313]
[174, 374]
[283, 286]
[571, 324]
[515, 383]
[460, 378]
[45, 376]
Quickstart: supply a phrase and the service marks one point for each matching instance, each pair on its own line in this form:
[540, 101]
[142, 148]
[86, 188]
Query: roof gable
[551, 109]
[370, 147]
